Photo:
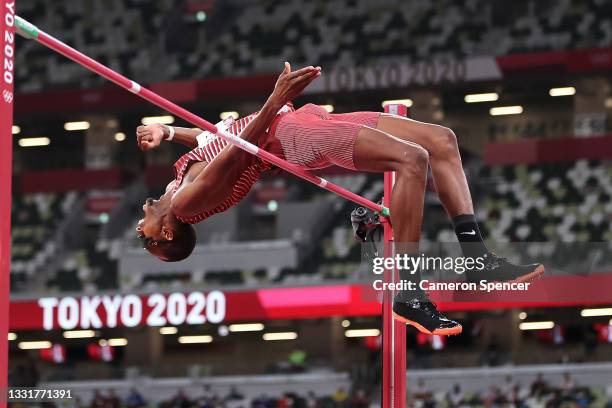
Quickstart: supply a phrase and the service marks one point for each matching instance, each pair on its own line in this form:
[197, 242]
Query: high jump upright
[394, 331]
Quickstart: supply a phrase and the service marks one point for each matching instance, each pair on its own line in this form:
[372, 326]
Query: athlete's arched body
[215, 175]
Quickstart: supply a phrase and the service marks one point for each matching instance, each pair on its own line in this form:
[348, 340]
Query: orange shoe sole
[530, 277]
[440, 332]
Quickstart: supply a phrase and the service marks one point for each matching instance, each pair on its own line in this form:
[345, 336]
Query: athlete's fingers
[301, 72]
[140, 138]
[146, 145]
[304, 77]
[307, 78]
[141, 135]
[298, 72]
[307, 70]
[308, 74]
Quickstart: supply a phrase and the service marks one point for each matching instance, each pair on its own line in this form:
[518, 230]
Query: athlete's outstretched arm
[216, 182]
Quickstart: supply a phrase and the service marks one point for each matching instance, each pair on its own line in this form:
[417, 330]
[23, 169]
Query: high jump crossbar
[28, 30]
[394, 338]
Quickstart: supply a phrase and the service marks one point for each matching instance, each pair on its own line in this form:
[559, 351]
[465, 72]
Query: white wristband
[170, 133]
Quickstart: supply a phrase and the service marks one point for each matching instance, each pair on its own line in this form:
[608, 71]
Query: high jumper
[227, 159]
[216, 175]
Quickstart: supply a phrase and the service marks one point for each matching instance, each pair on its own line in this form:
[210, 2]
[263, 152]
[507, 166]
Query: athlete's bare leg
[451, 184]
[444, 159]
[377, 151]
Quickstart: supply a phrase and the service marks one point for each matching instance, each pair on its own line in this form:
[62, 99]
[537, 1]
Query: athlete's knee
[445, 142]
[412, 160]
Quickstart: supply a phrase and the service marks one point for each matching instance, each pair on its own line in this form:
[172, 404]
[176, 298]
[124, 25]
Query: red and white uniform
[309, 137]
[209, 146]
[313, 138]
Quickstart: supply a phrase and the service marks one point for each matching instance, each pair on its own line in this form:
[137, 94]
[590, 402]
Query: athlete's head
[162, 234]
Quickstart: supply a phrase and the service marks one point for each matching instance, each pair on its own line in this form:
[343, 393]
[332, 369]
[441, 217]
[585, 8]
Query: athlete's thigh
[421, 133]
[378, 151]
[364, 118]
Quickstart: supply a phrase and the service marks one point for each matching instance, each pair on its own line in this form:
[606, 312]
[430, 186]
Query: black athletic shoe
[425, 317]
[498, 269]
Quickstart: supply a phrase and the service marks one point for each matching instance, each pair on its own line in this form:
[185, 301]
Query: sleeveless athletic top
[209, 146]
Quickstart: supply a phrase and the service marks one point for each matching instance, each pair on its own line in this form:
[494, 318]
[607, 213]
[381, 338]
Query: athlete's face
[151, 226]
[162, 234]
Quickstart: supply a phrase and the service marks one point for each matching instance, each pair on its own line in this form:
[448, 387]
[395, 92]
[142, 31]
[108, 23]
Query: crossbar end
[25, 28]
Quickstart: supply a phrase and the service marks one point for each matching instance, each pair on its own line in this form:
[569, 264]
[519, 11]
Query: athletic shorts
[313, 138]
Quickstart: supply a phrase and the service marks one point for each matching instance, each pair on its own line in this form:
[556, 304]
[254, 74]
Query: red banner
[207, 90]
[193, 308]
[58, 181]
[530, 151]
[7, 29]
[312, 302]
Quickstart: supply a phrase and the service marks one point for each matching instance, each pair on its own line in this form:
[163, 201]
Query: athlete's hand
[291, 84]
[150, 136]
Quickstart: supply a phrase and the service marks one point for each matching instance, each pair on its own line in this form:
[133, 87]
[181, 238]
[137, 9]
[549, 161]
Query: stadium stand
[36, 219]
[371, 31]
[535, 203]
[551, 386]
[561, 201]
